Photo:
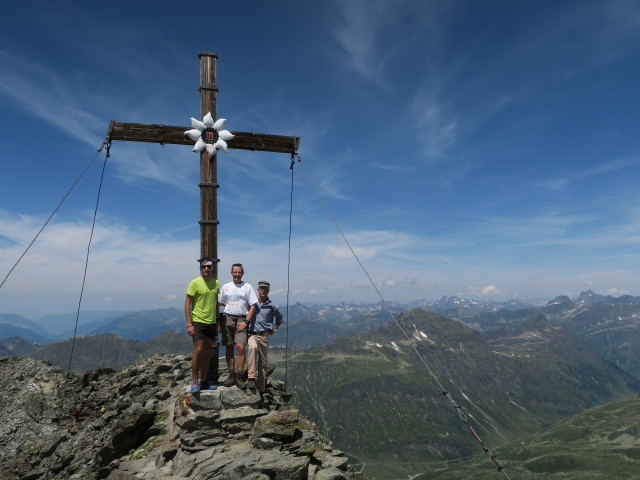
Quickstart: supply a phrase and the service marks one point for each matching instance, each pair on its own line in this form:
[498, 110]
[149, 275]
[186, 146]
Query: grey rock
[242, 460]
[329, 459]
[201, 436]
[234, 397]
[330, 473]
[241, 413]
[265, 443]
[141, 423]
[163, 394]
[238, 430]
[277, 425]
[206, 400]
[307, 444]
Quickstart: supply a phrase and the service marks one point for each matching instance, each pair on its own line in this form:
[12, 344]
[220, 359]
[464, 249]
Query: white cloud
[489, 290]
[131, 268]
[616, 292]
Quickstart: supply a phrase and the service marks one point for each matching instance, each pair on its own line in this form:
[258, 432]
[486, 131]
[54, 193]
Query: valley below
[551, 390]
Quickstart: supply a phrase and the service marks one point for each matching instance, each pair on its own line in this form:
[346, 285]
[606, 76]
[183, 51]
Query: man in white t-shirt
[239, 300]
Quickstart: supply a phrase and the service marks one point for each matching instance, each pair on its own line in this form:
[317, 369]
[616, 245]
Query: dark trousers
[212, 376]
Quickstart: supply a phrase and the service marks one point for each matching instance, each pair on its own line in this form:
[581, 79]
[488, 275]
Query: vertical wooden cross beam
[208, 165]
[169, 134]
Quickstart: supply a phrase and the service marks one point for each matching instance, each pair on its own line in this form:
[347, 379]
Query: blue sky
[481, 149]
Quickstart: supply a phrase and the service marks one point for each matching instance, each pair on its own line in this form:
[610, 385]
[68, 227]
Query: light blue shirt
[266, 317]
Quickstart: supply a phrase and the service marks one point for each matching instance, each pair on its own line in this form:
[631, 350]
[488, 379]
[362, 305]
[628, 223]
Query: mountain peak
[589, 297]
[120, 425]
[560, 300]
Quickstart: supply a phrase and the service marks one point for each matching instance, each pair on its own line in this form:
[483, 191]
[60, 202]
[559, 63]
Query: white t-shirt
[238, 298]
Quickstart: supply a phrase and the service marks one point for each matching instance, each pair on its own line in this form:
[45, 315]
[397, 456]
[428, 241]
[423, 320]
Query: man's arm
[188, 301]
[278, 316]
[252, 311]
[217, 316]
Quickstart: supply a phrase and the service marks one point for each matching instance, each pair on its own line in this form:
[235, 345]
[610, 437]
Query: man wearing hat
[201, 311]
[264, 324]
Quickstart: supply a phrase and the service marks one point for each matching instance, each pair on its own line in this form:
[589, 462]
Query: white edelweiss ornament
[209, 134]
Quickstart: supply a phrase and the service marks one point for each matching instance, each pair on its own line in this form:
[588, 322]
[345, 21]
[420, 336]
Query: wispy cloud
[373, 33]
[140, 164]
[561, 183]
[552, 224]
[616, 31]
[566, 236]
[359, 35]
[43, 94]
[64, 104]
[437, 129]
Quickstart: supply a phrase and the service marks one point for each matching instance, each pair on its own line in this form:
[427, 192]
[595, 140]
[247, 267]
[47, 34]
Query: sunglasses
[206, 266]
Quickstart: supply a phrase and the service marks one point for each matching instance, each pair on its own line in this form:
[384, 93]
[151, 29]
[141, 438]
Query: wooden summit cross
[168, 134]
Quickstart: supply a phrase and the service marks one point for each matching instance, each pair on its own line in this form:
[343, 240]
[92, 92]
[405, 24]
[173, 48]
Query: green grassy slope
[600, 443]
[372, 396]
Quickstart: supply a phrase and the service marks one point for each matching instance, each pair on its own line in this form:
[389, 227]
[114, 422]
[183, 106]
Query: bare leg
[231, 362]
[200, 360]
[242, 356]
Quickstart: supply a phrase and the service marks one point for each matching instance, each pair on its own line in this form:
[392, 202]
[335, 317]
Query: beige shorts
[230, 334]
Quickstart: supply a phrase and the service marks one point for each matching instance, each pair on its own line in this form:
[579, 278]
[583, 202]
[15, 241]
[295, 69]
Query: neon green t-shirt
[204, 294]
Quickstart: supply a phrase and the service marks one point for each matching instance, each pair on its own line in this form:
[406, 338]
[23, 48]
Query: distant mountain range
[515, 368]
[609, 325]
[107, 350]
[10, 330]
[56, 326]
[375, 399]
[309, 326]
[17, 347]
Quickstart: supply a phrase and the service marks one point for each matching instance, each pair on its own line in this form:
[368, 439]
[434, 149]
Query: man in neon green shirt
[201, 312]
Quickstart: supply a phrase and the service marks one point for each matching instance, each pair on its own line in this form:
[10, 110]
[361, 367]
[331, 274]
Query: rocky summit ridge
[142, 423]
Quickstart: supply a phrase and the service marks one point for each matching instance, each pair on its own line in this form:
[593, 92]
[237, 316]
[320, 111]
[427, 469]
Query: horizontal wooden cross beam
[174, 135]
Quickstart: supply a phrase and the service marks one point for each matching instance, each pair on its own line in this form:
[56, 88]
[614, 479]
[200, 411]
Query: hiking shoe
[241, 383]
[195, 387]
[251, 383]
[231, 381]
[207, 386]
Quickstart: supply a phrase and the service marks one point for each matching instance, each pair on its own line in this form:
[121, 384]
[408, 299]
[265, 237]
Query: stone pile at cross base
[142, 423]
